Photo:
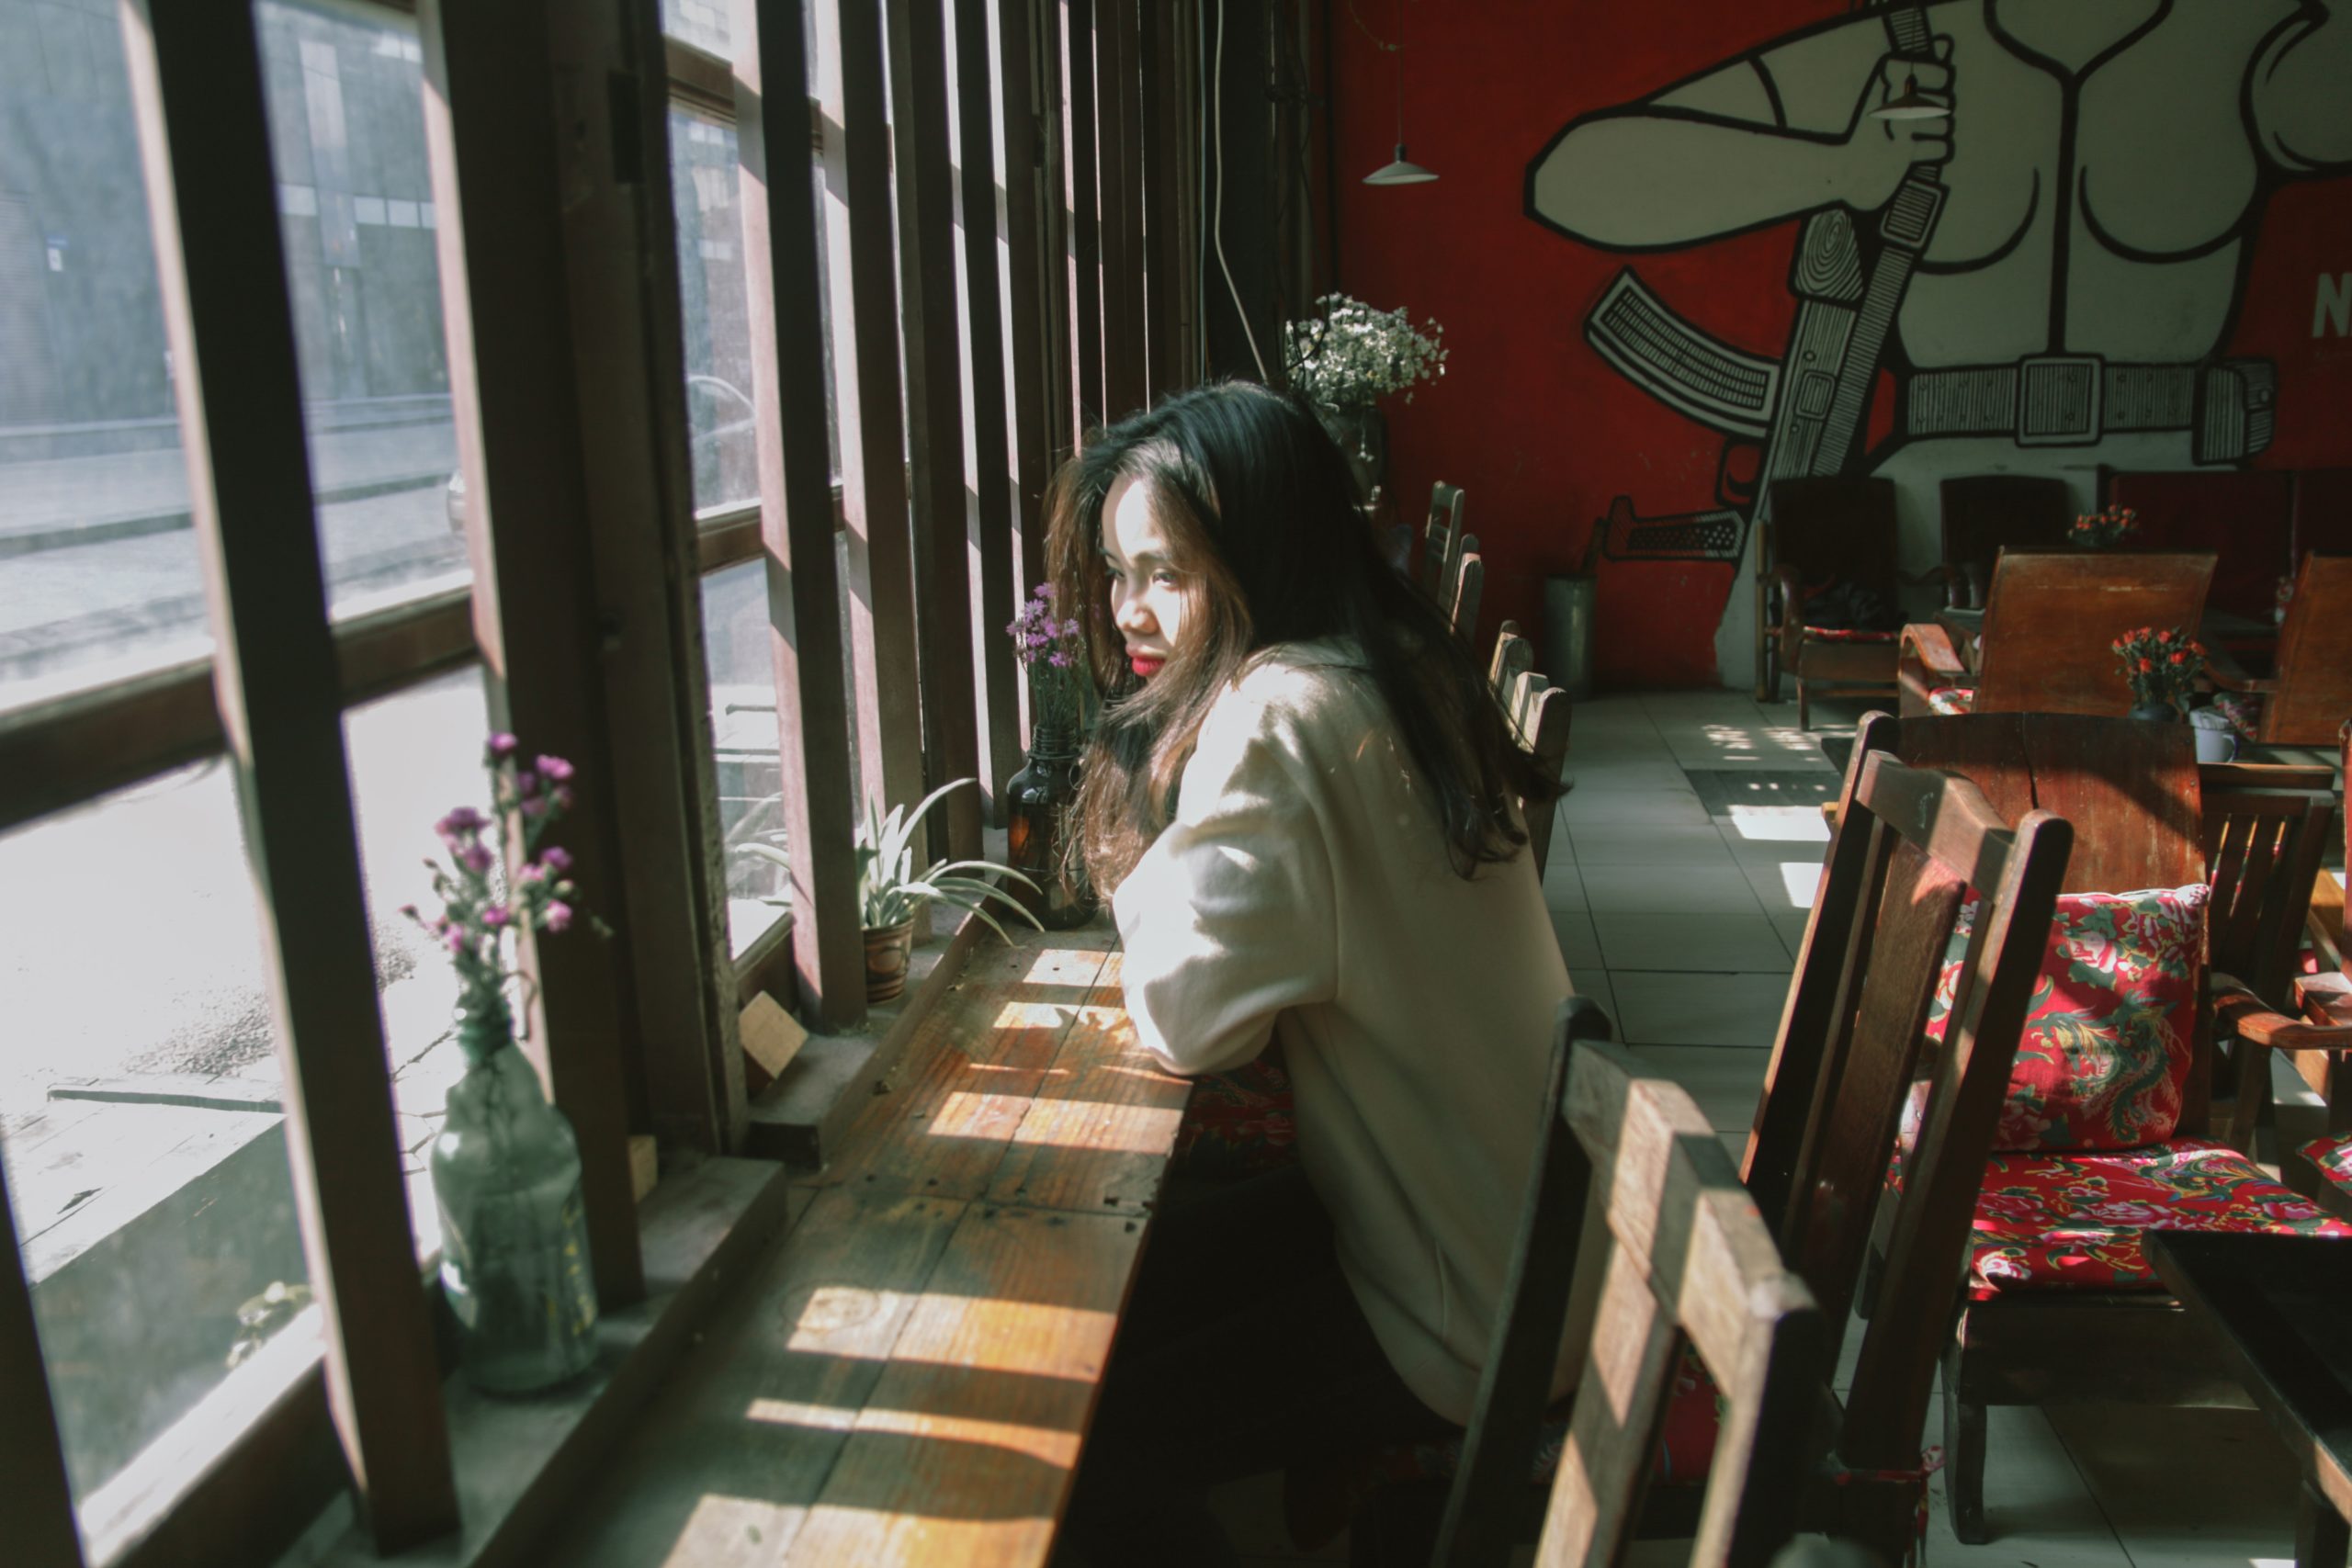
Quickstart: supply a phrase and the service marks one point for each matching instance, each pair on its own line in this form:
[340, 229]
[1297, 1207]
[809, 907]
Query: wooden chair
[1841, 1072]
[1638, 1240]
[2243, 515]
[2323, 512]
[2315, 1031]
[2050, 625]
[2058, 1304]
[1442, 541]
[1984, 515]
[1821, 531]
[1539, 714]
[2307, 697]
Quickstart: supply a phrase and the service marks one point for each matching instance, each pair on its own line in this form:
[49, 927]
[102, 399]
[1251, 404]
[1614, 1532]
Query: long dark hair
[1256, 502]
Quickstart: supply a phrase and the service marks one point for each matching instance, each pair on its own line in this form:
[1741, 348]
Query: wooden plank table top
[2282, 1305]
[908, 1376]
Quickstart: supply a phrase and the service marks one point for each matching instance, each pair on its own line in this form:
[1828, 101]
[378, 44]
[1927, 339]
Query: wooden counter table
[908, 1375]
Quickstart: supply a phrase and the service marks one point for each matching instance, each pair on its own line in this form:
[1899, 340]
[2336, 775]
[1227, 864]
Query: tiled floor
[1684, 926]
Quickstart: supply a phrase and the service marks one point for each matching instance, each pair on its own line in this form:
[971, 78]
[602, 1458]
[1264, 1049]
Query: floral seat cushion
[2059, 1222]
[1849, 634]
[2332, 1157]
[1240, 1123]
[2103, 1063]
[2242, 709]
[1949, 700]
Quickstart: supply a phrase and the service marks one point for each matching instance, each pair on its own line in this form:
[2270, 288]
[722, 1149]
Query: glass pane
[355, 206]
[743, 727]
[717, 316]
[414, 755]
[702, 23]
[98, 575]
[140, 1119]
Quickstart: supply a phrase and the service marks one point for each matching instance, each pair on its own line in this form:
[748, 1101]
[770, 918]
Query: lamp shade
[1402, 171]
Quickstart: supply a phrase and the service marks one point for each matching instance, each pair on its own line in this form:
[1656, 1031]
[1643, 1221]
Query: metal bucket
[1568, 634]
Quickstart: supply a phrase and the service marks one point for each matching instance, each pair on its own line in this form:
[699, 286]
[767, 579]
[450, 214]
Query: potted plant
[1346, 357]
[2105, 529]
[2161, 668]
[889, 890]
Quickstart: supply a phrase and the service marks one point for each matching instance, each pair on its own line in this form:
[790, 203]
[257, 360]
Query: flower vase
[1363, 438]
[1037, 818]
[514, 1238]
[2156, 712]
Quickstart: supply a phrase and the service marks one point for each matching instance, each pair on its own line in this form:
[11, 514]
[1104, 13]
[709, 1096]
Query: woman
[1305, 800]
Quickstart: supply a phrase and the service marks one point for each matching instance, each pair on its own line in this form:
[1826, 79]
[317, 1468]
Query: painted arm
[1716, 156]
[2302, 92]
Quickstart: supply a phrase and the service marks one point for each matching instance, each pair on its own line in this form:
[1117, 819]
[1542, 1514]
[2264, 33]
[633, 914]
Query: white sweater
[1303, 893]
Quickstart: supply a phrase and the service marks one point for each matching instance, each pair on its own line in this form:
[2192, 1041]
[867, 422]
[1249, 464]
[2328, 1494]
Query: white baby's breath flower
[1351, 353]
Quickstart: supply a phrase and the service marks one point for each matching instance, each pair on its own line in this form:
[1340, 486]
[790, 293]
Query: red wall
[1543, 433]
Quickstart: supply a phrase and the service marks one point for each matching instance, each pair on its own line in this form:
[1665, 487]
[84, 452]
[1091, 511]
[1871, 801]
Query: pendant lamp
[1401, 170]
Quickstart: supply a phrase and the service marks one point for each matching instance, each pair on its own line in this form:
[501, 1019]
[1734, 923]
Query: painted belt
[2075, 399]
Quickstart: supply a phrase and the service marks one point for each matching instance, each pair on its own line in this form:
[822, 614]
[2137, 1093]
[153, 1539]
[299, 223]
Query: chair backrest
[2323, 512]
[2264, 831]
[1910, 842]
[1539, 714]
[1638, 1235]
[2241, 515]
[1834, 528]
[1514, 655]
[1442, 541]
[1985, 514]
[1469, 587]
[2052, 616]
[2130, 788]
[2313, 675]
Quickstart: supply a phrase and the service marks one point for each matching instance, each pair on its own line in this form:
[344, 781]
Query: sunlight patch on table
[1055, 1015]
[718, 1527]
[1095, 1125]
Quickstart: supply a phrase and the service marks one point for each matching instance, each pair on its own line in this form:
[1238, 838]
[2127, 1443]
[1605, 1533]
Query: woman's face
[1148, 598]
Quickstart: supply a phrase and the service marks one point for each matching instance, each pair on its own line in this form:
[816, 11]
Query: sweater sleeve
[1229, 917]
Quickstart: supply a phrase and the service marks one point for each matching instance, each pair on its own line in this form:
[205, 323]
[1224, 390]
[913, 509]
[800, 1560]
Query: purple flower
[527, 783]
[555, 768]
[476, 857]
[496, 916]
[554, 857]
[556, 916]
[1059, 661]
[560, 797]
[531, 872]
[533, 806]
[454, 939]
[500, 747]
[409, 910]
[465, 819]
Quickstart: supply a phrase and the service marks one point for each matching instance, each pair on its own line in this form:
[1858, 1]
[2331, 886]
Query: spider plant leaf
[762, 851]
[981, 892]
[972, 910]
[988, 866]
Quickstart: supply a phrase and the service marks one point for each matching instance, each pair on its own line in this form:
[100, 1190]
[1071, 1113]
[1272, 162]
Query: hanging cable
[1216, 224]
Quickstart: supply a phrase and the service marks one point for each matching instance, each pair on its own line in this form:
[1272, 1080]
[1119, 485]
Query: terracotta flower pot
[888, 951]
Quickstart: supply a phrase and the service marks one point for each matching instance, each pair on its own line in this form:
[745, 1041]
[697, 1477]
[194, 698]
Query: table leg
[2321, 1535]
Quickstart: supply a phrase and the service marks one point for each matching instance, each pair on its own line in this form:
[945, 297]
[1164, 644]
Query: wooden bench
[908, 1376]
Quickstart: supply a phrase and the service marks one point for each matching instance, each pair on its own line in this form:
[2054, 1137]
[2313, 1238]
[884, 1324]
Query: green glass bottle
[514, 1238]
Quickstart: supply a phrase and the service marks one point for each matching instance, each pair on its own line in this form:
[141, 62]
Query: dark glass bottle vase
[1038, 817]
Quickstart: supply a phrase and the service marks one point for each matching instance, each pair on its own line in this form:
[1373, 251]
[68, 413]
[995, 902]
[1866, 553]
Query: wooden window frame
[583, 611]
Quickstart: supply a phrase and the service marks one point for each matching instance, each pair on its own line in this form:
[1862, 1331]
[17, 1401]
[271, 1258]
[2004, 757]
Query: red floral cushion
[2104, 1059]
[1950, 700]
[1240, 1123]
[2333, 1158]
[2242, 709]
[1847, 634]
[2057, 1222]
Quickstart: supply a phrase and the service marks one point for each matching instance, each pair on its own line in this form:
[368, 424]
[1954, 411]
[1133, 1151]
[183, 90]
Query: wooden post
[1027, 316]
[1119, 113]
[863, 302]
[490, 124]
[621, 263]
[991, 452]
[1165, 185]
[36, 1499]
[196, 85]
[797, 510]
[935, 414]
[1080, 195]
